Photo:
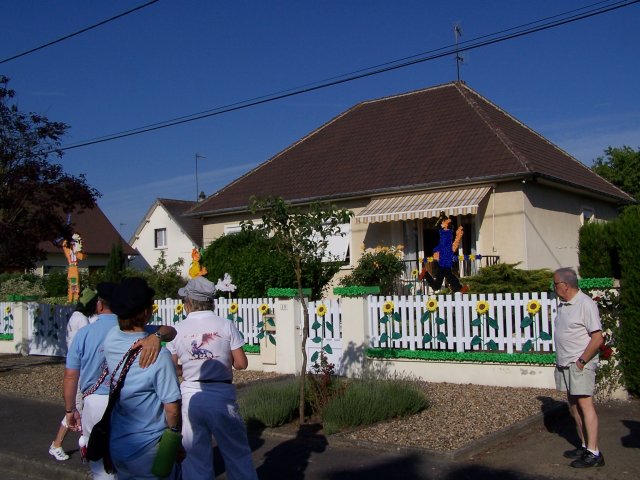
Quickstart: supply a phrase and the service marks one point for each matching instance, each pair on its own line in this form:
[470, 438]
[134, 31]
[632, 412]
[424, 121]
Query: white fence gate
[325, 334]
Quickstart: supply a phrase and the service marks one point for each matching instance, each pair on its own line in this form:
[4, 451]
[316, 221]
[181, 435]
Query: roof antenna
[198, 156]
[457, 31]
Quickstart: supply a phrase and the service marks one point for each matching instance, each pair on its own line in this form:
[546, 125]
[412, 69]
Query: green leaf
[230, 316]
[315, 356]
[545, 336]
[328, 349]
[239, 319]
[260, 324]
[396, 335]
[425, 316]
[260, 336]
[492, 345]
[442, 337]
[384, 337]
[396, 316]
[528, 345]
[329, 326]
[526, 321]
[316, 339]
[476, 341]
[427, 338]
[492, 323]
[440, 321]
[476, 322]
[176, 318]
[271, 322]
[272, 339]
[316, 325]
[384, 319]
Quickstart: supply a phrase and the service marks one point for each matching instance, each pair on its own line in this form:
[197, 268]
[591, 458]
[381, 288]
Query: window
[587, 216]
[338, 246]
[232, 229]
[160, 237]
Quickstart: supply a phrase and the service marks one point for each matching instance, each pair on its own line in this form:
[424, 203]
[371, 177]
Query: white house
[165, 229]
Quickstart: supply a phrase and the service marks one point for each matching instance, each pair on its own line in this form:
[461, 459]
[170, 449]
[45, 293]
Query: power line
[472, 44]
[66, 37]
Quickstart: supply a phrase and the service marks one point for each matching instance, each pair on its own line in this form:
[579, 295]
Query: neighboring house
[98, 237]
[398, 161]
[165, 229]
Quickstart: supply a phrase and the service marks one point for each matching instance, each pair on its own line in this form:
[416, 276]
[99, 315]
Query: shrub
[382, 267]
[56, 284]
[25, 285]
[629, 245]
[165, 279]
[322, 385]
[505, 277]
[368, 401]
[597, 252]
[270, 404]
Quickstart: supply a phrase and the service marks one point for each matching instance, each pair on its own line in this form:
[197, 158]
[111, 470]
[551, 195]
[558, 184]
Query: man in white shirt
[578, 336]
[208, 346]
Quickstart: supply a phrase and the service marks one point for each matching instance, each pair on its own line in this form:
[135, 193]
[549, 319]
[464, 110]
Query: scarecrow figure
[73, 252]
[195, 270]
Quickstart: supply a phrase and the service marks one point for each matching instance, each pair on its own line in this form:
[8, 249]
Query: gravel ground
[458, 413]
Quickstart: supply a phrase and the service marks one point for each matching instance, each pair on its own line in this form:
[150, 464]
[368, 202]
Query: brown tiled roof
[97, 232]
[192, 226]
[443, 136]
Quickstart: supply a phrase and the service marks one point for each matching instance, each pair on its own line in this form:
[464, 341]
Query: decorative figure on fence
[73, 251]
[444, 254]
[195, 270]
[225, 285]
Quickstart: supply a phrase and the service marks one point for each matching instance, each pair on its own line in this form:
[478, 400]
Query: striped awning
[424, 205]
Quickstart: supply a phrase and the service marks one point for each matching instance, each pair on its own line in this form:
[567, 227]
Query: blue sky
[577, 84]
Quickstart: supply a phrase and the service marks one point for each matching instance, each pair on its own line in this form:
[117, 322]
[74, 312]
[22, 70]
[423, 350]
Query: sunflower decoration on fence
[435, 321]
[533, 309]
[267, 319]
[389, 314]
[179, 313]
[321, 312]
[8, 320]
[155, 314]
[234, 317]
[482, 307]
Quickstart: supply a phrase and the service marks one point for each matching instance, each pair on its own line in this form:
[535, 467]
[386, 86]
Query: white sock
[595, 452]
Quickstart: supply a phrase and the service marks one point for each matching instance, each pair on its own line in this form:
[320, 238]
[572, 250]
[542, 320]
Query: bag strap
[127, 360]
[103, 375]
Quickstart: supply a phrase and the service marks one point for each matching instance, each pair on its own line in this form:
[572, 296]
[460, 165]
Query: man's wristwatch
[158, 334]
[582, 361]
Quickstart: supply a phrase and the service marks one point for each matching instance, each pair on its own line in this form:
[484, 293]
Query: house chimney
[201, 197]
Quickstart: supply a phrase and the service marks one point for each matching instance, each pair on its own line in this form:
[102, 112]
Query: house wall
[179, 245]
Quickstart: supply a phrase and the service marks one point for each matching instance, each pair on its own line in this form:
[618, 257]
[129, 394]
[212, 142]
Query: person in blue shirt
[444, 253]
[149, 402]
[85, 367]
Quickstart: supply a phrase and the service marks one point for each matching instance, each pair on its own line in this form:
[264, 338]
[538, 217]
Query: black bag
[98, 446]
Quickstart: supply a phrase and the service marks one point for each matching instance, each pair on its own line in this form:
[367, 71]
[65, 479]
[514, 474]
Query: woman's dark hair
[89, 309]
[140, 319]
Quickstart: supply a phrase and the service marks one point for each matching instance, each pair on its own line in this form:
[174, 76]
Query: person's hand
[579, 365]
[150, 350]
[73, 421]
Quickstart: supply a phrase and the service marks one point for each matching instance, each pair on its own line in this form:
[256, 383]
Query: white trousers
[92, 412]
[214, 411]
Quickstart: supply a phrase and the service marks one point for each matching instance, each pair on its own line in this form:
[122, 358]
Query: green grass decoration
[474, 357]
[356, 291]
[251, 348]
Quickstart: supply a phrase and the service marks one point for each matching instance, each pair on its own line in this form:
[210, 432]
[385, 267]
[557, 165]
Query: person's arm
[172, 415]
[69, 389]
[152, 343]
[239, 359]
[592, 348]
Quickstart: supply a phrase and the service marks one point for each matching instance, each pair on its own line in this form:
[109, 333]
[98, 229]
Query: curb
[35, 468]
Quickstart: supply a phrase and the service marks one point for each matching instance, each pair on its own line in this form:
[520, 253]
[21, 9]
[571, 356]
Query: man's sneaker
[588, 460]
[58, 453]
[575, 453]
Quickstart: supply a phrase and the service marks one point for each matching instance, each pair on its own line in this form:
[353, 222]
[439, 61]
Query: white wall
[178, 243]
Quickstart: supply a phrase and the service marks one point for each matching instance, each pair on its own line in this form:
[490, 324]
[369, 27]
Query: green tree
[114, 270]
[621, 166]
[381, 268]
[165, 278]
[35, 194]
[302, 236]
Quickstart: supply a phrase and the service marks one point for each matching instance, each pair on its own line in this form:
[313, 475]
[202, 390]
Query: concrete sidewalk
[529, 451]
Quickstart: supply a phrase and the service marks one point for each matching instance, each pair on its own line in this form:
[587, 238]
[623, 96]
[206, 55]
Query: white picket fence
[458, 312]
[327, 334]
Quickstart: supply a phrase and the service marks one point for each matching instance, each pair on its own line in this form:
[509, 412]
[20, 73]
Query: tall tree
[35, 194]
[302, 236]
[621, 166]
[115, 266]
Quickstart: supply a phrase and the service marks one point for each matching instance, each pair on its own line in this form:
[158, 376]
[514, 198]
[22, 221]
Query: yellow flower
[414, 272]
[321, 311]
[533, 307]
[264, 309]
[461, 258]
[233, 308]
[482, 307]
[400, 247]
[179, 308]
[155, 308]
[7, 310]
[387, 307]
[430, 259]
[420, 261]
[432, 305]
[472, 257]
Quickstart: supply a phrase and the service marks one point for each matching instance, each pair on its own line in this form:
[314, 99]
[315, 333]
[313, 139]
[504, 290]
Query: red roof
[442, 136]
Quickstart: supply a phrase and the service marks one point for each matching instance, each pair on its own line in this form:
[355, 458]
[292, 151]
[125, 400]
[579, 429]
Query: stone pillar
[356, 335]
[20, 344]
[288, 319]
